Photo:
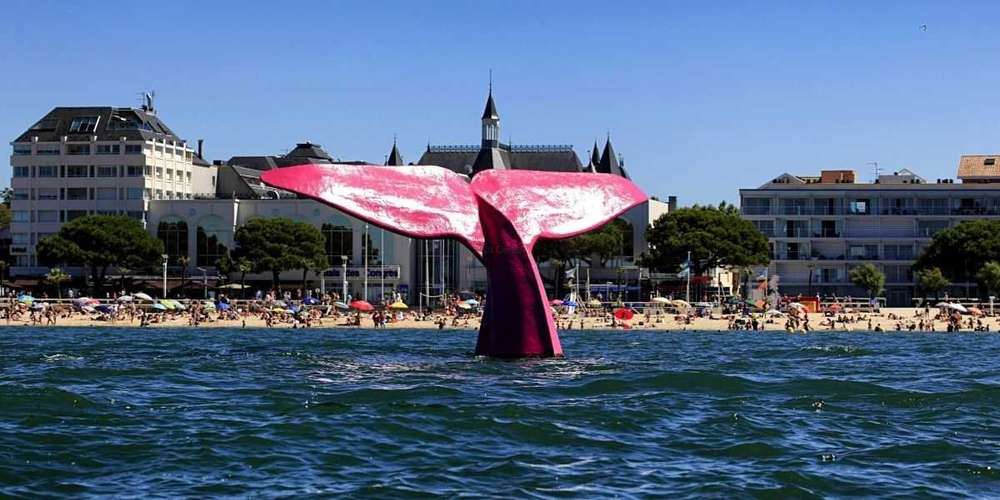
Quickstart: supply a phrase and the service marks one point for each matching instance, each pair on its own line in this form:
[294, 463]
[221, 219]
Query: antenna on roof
[876, 169]
[491, 80]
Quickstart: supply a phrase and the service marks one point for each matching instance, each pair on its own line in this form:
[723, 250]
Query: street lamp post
[366, 242]
[165, 259]
[204, 279]
[343, 265]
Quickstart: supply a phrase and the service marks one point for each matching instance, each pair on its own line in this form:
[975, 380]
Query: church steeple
[395, 159]
[609, 162]
[491, 121]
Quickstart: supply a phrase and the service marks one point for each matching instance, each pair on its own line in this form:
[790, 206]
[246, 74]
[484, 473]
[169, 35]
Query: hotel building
[820, 227]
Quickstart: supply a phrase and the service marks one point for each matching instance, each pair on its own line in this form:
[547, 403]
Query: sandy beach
[888, 319]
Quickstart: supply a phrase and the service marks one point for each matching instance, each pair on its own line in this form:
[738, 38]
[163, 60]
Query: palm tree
[57, 277]
[244, 266]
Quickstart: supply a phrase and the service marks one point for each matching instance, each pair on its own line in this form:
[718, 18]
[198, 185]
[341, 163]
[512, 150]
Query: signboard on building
[358, 273]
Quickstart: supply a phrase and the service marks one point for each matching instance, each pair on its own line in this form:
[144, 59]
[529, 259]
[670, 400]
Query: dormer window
[990, 161]
[84, 124]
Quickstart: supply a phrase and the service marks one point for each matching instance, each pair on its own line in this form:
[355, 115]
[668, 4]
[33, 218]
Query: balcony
[827, 233]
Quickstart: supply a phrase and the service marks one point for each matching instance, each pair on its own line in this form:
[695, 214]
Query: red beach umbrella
[624, 314]
[362, 306]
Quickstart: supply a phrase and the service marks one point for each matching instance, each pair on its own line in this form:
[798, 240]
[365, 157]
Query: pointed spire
[490, 113]
[595, 157]
[609, 161]
[395, 159]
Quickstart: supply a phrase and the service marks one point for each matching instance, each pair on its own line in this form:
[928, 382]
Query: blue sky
[701, 98]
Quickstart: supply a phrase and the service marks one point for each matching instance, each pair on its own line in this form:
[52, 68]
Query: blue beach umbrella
[310, 301]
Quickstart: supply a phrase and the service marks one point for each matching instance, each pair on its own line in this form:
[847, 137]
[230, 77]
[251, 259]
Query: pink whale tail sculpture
[499, 216]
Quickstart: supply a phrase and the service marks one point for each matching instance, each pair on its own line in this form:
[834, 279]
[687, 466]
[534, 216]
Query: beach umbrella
[400, 305]
[278, 309]
[774, 312]
[796, 305]
[463, 305]
[222, 306]
[157, 307]
[955, 306]
[278, 303]
[555, 302]
[233, 286]
[87, 309]
[26, 299]
[142, 296]
[341, 305]
[624, 314]
[594, 303]
[834, 308]
[975, 311]
[209, 304]
[124, 298]
[703, 304]
[310, 301]
[106, 309]
[362, 305]
[80, 302]
[660, 300]
[570, 303]
[37, 306]
[472, 302]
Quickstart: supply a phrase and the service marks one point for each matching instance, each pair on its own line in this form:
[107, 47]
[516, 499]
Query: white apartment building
[820, 227]
[77, 161]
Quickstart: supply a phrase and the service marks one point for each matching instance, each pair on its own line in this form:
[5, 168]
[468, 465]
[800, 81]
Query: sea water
[398, 413]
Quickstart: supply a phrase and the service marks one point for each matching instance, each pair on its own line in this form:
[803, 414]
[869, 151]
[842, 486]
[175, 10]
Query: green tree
[604, 243]
[56, 277]
[932, 281]
[279, 244]
[962, 250]
[989, 276]
[868, 276]
[715, 236]
[99, 242]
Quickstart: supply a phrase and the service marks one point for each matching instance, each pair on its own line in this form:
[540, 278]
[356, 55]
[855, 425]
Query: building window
[48, 193]
[159, 194]
[859, 207]
[212, 232]
[22, 150]
[78, 149]
[107, 171]
[170, 174]
[159, 173]
[22, 194]
[84, 124]
[48, 151]
[135, 214]
[108, 149]
[20, 216]
[173, 231]
[339, 240]
[21, 171]
[48, 216]
[77, 171]
[20, 238]
[134, 171]
[76, 194]
[133, 149]
[75, 214]
[134, 193]
[107, 193]
[990, 161]
[148, 193]
[48, 171]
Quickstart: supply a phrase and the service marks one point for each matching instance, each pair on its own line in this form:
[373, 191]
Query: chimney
[671, 203]
[201, 143]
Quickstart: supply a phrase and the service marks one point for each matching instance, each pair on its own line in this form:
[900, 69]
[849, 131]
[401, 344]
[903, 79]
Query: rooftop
[105, 122]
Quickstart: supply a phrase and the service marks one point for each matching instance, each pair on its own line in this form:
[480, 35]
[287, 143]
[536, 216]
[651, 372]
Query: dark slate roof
[462, 159]
[395, 159]
[311, 151]
[595, 157]
[112, 125]
[254, 162]
[491, 108]
[609, 162]
[492, 159]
